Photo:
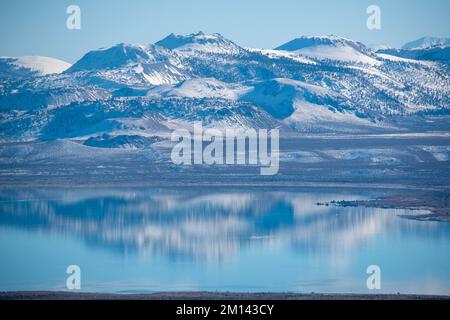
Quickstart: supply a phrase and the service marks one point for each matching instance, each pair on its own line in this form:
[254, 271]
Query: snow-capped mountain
[28, 66]
[133, 95]
[200, 43]
[425, 49]
[426, 42]
[330, 47]
[130, 64]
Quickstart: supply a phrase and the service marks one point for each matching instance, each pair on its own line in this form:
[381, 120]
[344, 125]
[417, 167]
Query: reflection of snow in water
[201, 225]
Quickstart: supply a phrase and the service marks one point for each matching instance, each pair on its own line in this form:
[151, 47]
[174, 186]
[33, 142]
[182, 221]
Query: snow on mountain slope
[16, 67]
[438, 53]
[43, 65]
[330, 47]
[377, 47]
[307, 108]
[282, 54]
[116, 56]
[286, 100]
[277, 96]
[65, 150]
[426, 48]
[397, 58]
[200, 43]
[426, 42]
[201, 88]
[35, 98]
[316, 117]
[129, 64]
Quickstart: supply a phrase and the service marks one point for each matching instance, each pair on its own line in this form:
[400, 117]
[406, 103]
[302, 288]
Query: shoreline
[204, 295]
[436, 202]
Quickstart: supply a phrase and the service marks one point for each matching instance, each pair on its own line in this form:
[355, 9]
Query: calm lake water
[146, 240]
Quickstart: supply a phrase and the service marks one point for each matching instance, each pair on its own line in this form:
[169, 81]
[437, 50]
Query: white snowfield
[202, 88]
[41, 65]
[340, 53]
[400, 59]
[332, 48]
[296, 56]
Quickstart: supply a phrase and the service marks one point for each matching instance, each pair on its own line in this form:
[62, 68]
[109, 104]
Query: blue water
[147, 240]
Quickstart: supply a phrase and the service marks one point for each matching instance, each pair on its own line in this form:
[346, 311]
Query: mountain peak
[119, 55]
[313, 41]
[330, 47]
[26, 66]
[426, 43]
[199, 42]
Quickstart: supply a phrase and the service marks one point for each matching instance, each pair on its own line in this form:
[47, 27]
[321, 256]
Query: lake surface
[147, 240]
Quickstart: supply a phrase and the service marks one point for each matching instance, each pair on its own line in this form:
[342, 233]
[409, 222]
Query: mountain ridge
[199, 77]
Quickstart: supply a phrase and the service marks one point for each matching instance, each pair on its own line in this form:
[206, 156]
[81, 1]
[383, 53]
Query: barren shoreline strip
[203, 295]
[437, 202]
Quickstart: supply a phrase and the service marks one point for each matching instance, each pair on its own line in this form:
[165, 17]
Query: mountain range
[135, 94]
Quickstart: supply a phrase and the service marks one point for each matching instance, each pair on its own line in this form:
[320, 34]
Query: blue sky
[29, 27]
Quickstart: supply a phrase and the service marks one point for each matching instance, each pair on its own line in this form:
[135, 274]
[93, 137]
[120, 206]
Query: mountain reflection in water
[222, 227]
